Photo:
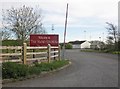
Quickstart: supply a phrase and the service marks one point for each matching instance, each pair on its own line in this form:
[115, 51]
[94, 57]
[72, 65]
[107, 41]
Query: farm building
[80, 44]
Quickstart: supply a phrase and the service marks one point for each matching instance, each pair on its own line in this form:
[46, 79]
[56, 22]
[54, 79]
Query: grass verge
[101, 51]
[19, 71]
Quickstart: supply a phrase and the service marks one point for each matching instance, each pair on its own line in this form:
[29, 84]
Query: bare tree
[112, 30]
[113, 33]
[5, 35]
[110, 43]
[23, 21]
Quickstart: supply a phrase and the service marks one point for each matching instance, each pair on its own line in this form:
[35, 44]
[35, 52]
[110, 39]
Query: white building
[80, 44]
[85, 44]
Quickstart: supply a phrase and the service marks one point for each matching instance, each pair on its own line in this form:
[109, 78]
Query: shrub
[68, 46]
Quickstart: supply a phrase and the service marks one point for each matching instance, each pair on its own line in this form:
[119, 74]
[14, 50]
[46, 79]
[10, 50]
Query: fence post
[54, 54]
[24, 52]
[33, 54]
[59, 52]
[49, 53]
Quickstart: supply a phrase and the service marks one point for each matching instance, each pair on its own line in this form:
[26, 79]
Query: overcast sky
[86, 18]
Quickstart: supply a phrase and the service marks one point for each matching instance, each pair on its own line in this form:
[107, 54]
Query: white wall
[76, 46]
[85, 45]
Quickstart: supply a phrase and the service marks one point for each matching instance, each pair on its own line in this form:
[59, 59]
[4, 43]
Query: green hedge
[14, 70]
[68, 46]
[13, 42]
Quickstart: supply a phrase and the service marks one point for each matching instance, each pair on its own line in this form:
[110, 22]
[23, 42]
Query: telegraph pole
[85, 34]
[65, 31]
[52, 28]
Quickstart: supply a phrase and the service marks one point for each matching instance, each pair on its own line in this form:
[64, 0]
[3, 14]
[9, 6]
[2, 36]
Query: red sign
[44, 40]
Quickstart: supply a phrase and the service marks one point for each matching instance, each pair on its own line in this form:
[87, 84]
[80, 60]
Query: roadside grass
[100, 51]
[90, 50]
[116, 52]
[12, 70]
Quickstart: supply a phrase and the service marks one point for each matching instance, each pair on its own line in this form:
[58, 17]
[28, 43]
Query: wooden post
[24, 52]
[49, 53]
[7, 50]
[54, 54]
[59, 52]
[15, 50]
[33, 54]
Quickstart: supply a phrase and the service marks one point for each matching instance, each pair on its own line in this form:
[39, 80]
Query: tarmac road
[87, 70]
